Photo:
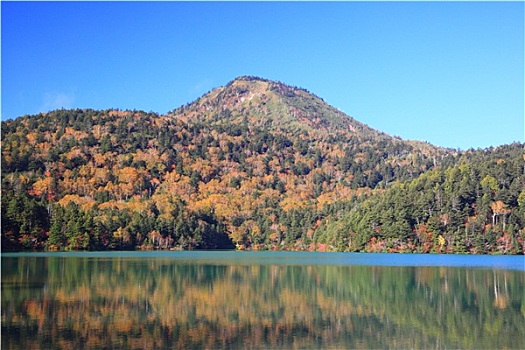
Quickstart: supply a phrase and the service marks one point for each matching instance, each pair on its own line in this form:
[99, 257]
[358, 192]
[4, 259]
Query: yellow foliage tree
[499, 209]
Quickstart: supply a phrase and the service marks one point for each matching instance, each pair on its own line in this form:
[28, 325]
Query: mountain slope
[256, 163]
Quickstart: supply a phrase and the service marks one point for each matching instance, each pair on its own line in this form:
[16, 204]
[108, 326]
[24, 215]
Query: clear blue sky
[450, 73]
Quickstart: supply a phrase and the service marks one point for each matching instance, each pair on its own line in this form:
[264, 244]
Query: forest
[253, 165]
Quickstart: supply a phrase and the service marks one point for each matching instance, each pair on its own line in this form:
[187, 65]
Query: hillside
[255, 164]
[475, 207]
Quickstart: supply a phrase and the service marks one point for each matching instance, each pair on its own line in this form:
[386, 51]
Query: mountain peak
[273, 85]
[249, 78]
[273, 103]
[278, 106]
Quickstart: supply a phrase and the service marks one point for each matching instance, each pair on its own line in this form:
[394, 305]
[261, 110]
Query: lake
[231, 300]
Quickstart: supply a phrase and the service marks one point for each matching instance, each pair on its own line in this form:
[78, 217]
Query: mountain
[255, 164]
[278, 106]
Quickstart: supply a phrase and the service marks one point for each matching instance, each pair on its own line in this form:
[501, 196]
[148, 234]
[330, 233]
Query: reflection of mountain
[131, 303]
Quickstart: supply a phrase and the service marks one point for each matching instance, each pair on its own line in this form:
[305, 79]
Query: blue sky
[450, 73]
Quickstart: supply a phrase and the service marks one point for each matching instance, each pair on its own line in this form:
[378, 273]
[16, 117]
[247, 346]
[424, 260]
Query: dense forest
[255, 164]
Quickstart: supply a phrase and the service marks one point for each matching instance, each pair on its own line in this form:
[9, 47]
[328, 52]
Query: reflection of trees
[79, 302]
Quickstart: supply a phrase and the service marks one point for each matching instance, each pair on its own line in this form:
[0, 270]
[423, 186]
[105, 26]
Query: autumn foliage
[255, 164]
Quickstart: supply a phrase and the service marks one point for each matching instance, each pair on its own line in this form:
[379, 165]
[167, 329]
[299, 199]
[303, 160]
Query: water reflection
[86, 302]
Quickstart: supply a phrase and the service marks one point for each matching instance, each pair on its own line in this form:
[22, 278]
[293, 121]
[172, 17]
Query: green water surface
[215, 300]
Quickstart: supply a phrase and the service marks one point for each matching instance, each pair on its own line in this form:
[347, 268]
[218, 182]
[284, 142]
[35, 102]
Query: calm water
[231, 300]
